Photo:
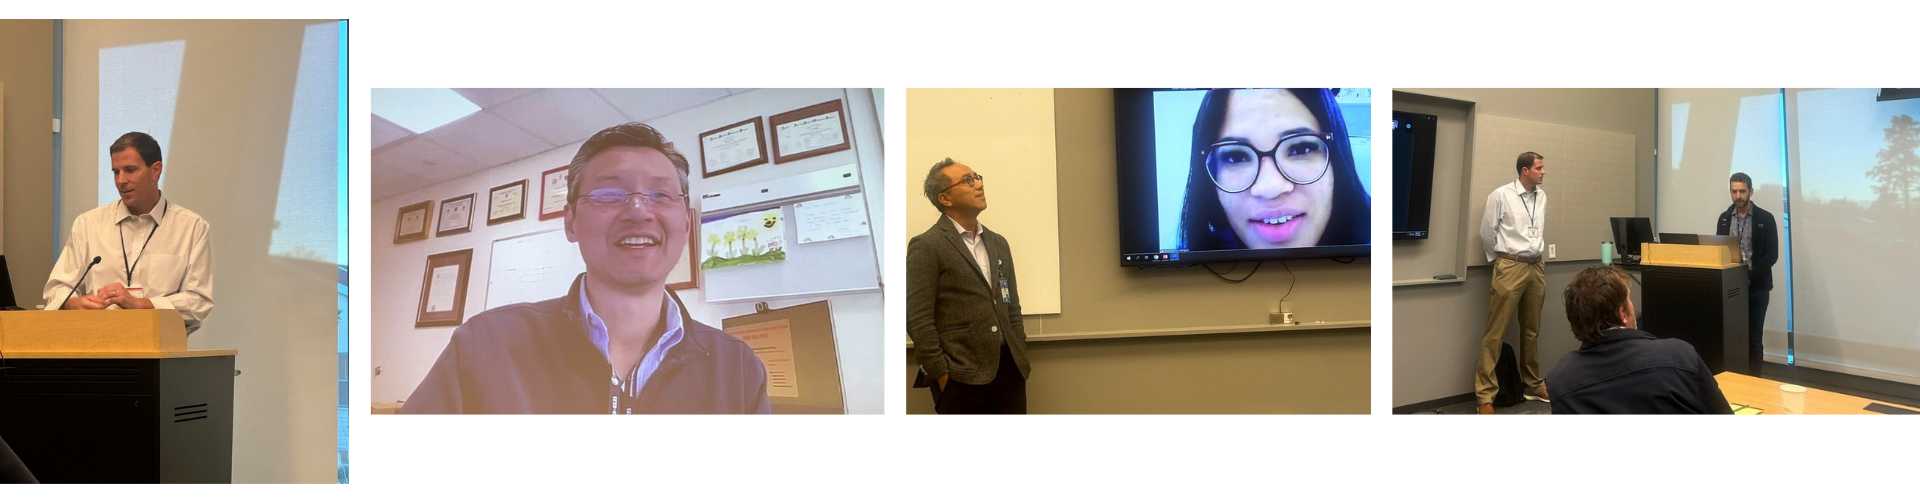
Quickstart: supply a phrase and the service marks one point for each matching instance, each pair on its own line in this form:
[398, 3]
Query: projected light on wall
[139, 85]
[306, 216]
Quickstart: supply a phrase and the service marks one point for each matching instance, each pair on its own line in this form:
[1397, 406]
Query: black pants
[1006, 394]
[1756, 322]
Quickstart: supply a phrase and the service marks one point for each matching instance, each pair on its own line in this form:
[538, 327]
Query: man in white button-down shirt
[1512, 233]
[153, 253]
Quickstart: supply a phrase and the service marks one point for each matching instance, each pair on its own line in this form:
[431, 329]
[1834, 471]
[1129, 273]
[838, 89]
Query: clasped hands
[112, 294]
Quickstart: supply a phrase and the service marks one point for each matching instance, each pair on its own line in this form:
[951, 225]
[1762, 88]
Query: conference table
[1765, 395]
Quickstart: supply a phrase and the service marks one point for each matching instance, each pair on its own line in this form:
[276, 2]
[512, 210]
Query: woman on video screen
[1272, 169]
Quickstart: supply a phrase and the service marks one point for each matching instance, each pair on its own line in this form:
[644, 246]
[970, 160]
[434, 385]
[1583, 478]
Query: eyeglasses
[615, 197]
[970, 179]
[1301, 158]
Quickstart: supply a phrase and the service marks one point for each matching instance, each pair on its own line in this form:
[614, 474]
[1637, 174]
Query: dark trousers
[1006, 394]
[1756, 322]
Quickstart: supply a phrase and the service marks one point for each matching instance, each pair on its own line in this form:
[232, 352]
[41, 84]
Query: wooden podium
[114, 397]
[1698, 294]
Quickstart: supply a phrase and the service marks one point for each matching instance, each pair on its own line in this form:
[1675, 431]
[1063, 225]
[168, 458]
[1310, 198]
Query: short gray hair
[623, 135]
[937, 182]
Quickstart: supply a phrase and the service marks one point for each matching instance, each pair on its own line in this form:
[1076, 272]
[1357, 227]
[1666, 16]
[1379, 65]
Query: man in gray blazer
[963, 303]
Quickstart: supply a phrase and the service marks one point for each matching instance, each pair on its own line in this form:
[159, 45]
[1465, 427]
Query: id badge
[1005, 296]
[1533, 232]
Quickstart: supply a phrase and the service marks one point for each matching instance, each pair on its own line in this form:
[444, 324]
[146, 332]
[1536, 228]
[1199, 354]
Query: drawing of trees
[713, 243]
[730, 251]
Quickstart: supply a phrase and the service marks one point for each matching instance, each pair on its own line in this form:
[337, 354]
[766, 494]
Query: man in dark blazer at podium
[1759, 248]
[963, 303]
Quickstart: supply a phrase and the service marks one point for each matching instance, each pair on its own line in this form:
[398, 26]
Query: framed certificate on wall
[456, 215]
[553, 193]
[443, 290]
[508, 203]
[733, 147]
[412, 223]
[810, 131]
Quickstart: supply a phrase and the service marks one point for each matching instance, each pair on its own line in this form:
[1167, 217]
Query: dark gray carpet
[1468, 407]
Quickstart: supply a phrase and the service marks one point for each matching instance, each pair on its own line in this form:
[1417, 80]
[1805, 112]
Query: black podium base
[120, 420]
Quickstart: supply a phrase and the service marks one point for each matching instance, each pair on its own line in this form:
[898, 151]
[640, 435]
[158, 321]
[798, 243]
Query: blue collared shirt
[636, 379]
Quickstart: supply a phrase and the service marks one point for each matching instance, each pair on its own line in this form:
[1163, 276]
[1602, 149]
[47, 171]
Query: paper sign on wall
[772, 341]
[831, 218]
[743, 239]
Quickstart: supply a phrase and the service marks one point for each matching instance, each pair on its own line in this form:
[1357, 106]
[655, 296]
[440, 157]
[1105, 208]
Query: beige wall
[1307, 372]
[26, 70]
[1436, 338]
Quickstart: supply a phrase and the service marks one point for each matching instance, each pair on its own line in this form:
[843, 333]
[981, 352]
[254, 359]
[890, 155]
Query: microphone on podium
[76, 284]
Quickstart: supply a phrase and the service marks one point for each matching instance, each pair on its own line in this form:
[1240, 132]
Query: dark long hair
[1203, 223]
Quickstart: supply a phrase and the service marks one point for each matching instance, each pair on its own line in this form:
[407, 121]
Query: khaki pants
[1514, 285]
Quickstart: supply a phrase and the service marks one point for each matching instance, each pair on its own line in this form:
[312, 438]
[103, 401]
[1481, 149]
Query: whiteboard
[1007, 134]
[819, 268]
[532, 267]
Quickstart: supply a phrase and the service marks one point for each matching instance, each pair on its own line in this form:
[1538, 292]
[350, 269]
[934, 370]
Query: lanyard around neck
[143, 246]
[1523, 203]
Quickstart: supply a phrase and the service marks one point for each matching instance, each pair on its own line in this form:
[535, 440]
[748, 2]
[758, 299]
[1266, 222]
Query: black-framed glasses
[1301, 158]
[614, 197]
[970, 179]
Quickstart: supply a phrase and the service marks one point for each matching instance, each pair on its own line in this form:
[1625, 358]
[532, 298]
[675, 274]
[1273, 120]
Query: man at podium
[140, 252]
[1759, 248]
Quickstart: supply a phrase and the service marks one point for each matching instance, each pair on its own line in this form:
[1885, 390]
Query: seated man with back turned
[1622, 370]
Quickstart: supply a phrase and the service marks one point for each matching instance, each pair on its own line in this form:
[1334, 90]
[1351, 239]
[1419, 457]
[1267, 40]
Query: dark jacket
[1631, 372]
[1766, 245]
[957, 319]
[536, 358]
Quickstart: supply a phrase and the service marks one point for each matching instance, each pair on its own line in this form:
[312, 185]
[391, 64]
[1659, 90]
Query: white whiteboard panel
[818, 268]
[532, 267]
[1007, 135]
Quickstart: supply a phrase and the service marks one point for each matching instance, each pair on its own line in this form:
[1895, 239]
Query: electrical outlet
[1551, 252]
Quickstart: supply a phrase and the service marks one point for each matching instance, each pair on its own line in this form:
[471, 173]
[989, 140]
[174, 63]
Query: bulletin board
[797, 346]
[810, 237]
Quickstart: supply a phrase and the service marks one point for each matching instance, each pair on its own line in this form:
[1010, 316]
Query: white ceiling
[514, 123]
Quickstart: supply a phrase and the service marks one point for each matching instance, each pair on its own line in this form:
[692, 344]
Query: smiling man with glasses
[619, 342]
[963, 302]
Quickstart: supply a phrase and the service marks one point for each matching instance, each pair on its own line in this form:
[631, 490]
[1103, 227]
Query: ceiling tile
[488, 97]
[385, 132]
[390, 181]
[646, 104]
[424, 158]
[560, 115]
[487, 139]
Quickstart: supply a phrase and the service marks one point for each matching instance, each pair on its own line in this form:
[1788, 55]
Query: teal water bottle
[1606, 253]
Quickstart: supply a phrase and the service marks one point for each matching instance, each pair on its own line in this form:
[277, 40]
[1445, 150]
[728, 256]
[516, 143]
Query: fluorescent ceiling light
[421, 109]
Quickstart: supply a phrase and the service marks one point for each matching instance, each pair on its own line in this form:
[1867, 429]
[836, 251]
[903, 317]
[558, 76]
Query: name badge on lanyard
[1005, 296]
[1533, 226]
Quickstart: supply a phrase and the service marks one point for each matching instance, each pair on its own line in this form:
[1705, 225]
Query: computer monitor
[1628, 234]
[1731, 242]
